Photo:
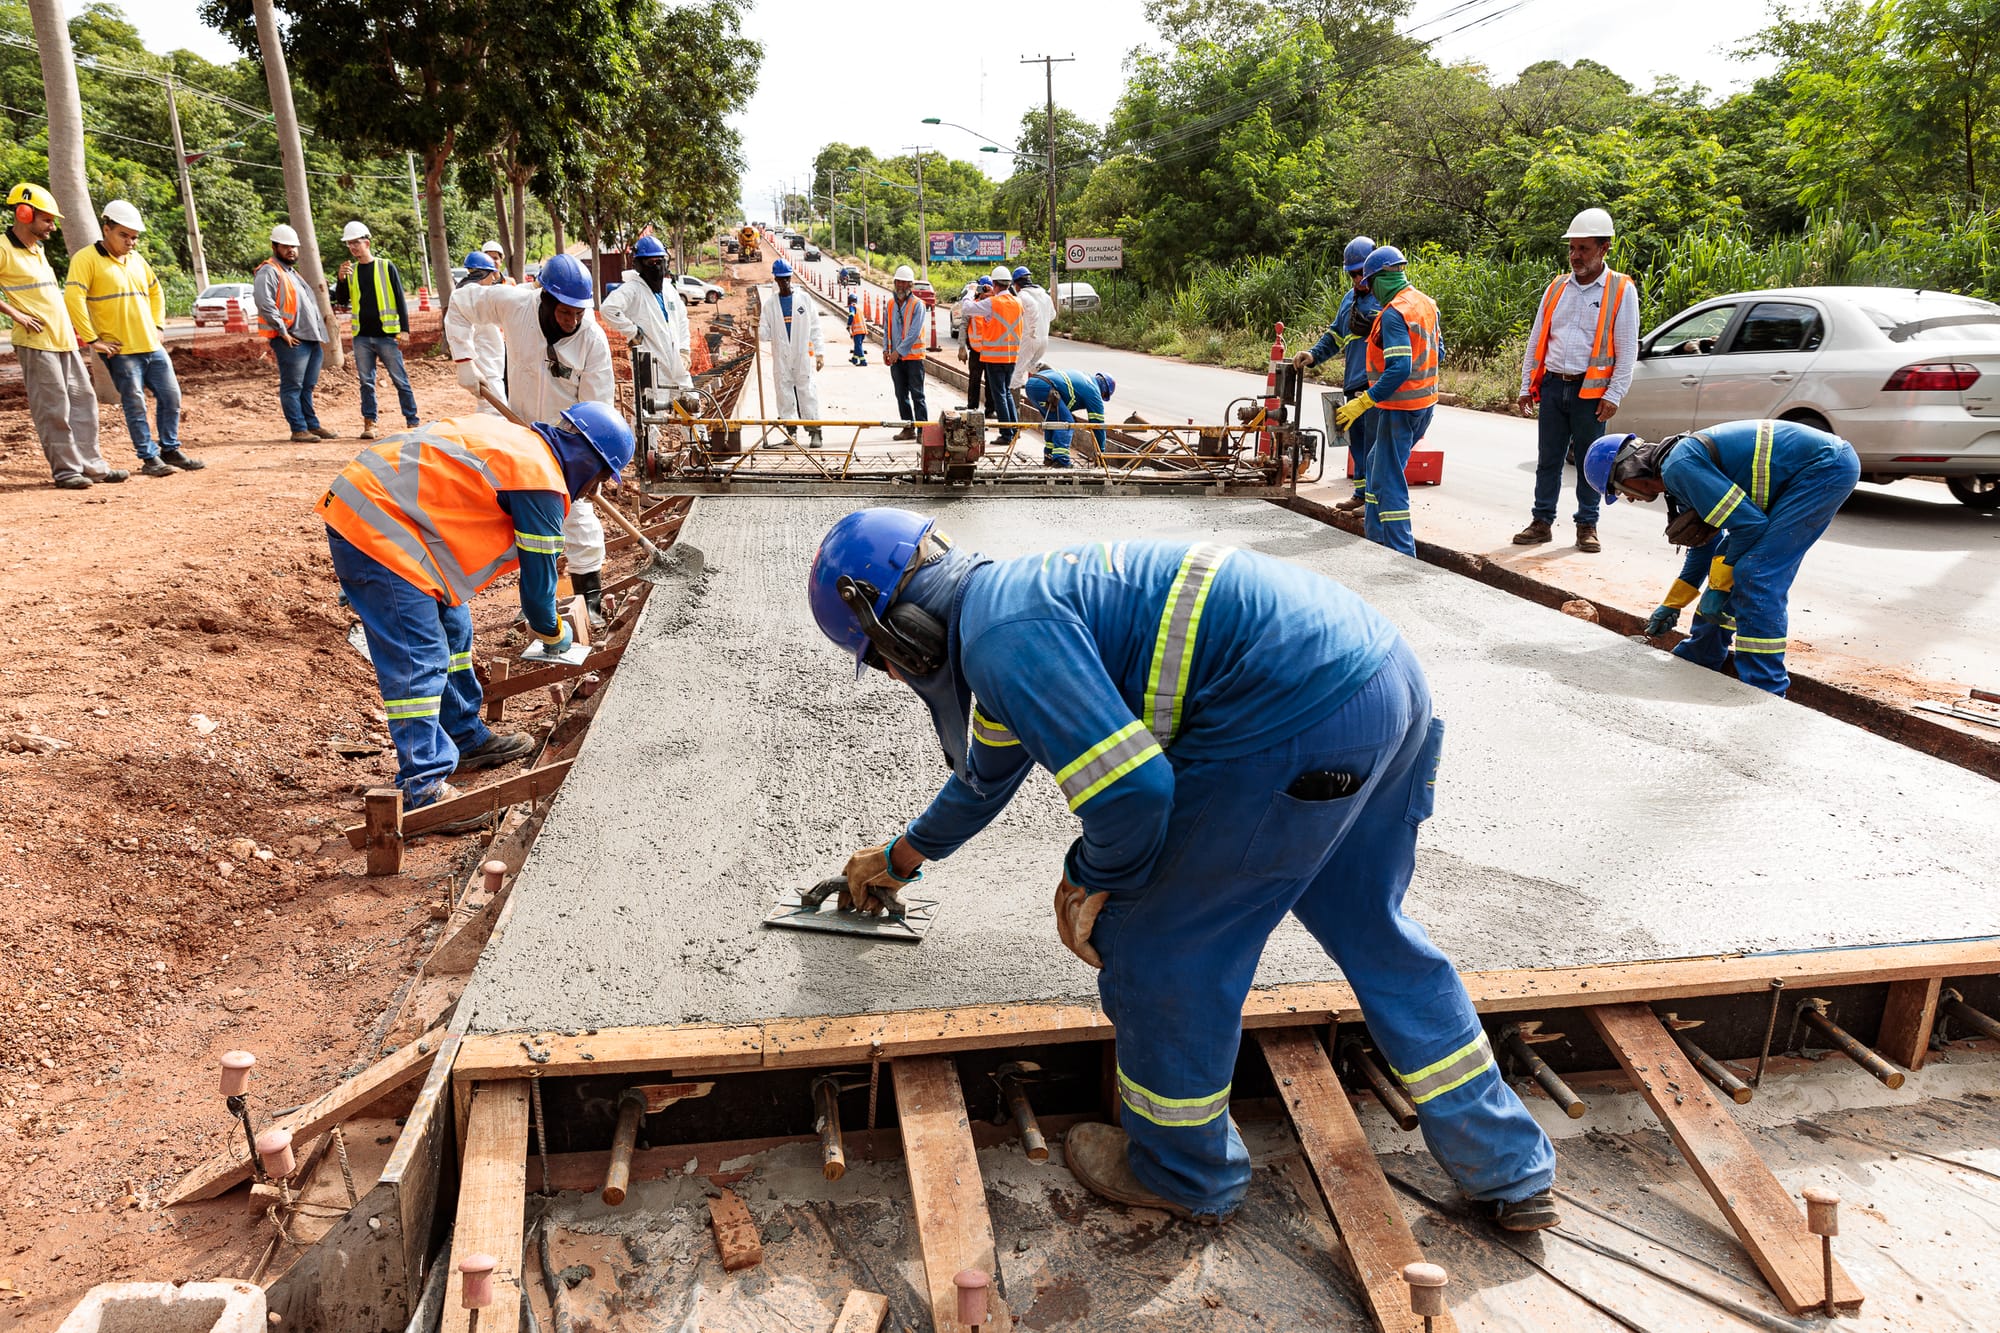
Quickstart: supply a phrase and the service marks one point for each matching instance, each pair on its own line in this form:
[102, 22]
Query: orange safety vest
[424, 503]
[906, 317]
[1596, 375]
[1420, 390]
[288, 302]
[997, 337]
[857, 327]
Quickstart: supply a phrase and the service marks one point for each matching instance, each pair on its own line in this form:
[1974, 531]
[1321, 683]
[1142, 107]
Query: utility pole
[417, 207]
[923, 224]
[298, 197]
[1048, 64]
[187, 193]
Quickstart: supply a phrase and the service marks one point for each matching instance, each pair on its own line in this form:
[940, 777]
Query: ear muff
[924, 633]
[909, 639]
[24, 213]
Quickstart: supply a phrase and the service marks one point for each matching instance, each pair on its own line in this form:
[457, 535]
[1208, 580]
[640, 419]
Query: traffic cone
[423, 298]
[233, 322]
[1265, 444]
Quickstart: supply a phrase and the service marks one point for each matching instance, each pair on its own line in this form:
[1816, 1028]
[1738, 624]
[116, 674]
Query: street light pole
[1048, 64]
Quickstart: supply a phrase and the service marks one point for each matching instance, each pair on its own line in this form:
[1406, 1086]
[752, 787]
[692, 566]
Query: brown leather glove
[1076, 916]
[872, 885]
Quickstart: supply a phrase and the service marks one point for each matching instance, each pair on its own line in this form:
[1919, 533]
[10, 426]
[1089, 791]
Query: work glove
[1721, 574]
[1351, 410]
[468, 374]
[555, 645]
[873, 886]
[1663, 619]
[1076, 917]
[1680, 594]
[1714, 604]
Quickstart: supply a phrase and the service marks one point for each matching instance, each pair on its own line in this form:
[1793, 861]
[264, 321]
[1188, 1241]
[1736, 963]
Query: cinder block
[162, 1307]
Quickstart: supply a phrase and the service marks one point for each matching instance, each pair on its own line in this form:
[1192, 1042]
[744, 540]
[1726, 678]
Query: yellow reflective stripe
[1760, 466]
[460, 662]
[1454, 1071]
[538, 543]
[1392, 516]
[1106, 762]
[1173, 644]
[1724, 507]
[1749, 645]
[988, 732]
[1403, 348]
[425, 705]
[1172, 1112]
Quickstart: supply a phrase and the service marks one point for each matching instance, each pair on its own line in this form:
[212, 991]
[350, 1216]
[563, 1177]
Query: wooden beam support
[953, 1226]
[492, 1204]
[1764, 1216]
[1378, 1239]
[381, 836]
[530, 786]
[1907, 1020]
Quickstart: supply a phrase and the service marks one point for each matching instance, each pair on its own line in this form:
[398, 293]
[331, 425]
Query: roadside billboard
[975, 247]
[1094, 252]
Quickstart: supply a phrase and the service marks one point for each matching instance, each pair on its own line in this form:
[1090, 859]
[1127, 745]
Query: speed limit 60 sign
[1094, 252]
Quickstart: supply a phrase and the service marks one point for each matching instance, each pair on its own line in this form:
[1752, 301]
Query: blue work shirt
[1353, 346]
[1760, 459]
[538, 537]
[1066, 396]
[1099, 662]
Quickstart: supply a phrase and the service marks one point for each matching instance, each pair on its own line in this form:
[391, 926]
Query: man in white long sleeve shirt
[489, 345]
[650, 312]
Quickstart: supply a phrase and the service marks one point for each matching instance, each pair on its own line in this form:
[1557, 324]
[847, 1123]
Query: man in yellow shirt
[60, 398]
[116, 302]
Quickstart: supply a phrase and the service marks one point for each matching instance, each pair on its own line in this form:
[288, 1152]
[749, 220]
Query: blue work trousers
[1759, 604]
[1000, 396]
[422, 651]
[859, 356]
[1179, 953]
[908, 377]
[1385, 518]
[1565, 430]
[134, 373]
[367, 351]
[298, 376]
[1055, 440]
[1360, 440]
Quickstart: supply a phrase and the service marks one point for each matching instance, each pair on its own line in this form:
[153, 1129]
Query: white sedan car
[694, 291]
[1910, 378]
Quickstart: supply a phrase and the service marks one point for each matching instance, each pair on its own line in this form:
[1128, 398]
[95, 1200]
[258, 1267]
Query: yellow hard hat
[34, 196]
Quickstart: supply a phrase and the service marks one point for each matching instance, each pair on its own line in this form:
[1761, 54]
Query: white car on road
[1910, 378]
[694, 291]
[1077, 296]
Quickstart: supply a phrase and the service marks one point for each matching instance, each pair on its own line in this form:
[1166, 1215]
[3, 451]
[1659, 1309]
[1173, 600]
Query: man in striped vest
[1404, 350]
[903, 350]
[422, 521]
[1140, 674]
[373, 290]
[1577, 367]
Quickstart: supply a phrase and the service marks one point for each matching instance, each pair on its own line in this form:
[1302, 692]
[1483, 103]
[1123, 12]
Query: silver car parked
[1910, 378]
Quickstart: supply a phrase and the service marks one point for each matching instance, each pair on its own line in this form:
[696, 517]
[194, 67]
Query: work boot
[367, 429]
[1352, 503]
[73, 484]
[906, 433]
[817, 439]
[113, 476]
[496, 750]
[470, 824]
[1534, 534]
[1097, 1155]
[185, 462]
[590, 587]
[1537, 1212]
[325, 434]
[1586, 538]
[304, 437]
[153, 467]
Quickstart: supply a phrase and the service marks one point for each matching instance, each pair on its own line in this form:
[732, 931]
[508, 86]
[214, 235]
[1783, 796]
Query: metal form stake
[971, 1284]
[1011, 1076]
[1770, 1031]
[624, 1139]
[1823, 1220]
[826, 1123]
[1426, 1283]
[1954, 1004]
[1813, 1014]
[1387, 1092]
[1713, 1069]
[1514, 1038]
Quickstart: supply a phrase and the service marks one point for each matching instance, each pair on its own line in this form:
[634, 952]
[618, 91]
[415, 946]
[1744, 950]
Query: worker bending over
[419, 523]
[1141, 674]
[790, 323]
[1402, 354]
[1067, 396]
[1775, 486]
[1348, 335]
[557, 356]
[649, 312]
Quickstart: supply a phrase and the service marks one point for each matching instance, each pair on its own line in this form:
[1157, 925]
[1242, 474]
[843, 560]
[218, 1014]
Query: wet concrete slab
[1599, 801]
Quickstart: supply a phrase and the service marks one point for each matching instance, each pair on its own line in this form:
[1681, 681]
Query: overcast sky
[819, 84]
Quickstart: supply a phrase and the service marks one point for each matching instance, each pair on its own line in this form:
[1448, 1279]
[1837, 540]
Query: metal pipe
[1009, 1078]
[1559, 1092]
[1770, 1031]
[1379, 1082]
[631, 1110]
[1954, 1004]
[1718, 1074]
[1813, 1014]
[826, 1123]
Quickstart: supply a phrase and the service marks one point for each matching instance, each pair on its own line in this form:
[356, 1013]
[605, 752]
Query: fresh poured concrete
[1599, 801]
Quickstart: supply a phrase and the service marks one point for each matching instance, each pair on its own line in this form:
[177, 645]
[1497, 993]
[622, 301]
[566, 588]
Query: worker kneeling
[1142, 674]
[423, 520]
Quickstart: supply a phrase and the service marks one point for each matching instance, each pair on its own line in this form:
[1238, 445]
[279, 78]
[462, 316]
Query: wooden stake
[1907, 1020]
[382, 834]
[735, 1233]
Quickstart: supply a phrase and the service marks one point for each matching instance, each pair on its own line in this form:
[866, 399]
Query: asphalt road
[1902, 594]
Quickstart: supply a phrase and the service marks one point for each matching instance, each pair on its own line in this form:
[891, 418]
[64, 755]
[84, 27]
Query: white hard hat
[1001, 273]
[904, 274]
[282, 234]
[1590, 222]
[122, 213]
[494, 248]
[354, 231]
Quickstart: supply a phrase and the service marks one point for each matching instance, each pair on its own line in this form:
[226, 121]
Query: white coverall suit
[661, 319]
[1038, 312]
[534, 390]
[792, 354]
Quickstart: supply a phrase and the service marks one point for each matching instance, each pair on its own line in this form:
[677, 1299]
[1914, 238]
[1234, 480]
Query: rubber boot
[1096, 1156]
[590, 587]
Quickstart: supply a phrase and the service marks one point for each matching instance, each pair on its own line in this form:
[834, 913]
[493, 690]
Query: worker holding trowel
[426, 518]
[1142, 675]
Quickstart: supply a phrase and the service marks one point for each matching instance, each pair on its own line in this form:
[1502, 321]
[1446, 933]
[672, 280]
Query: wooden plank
[529, 786]
[862, 1312]
[232, 1166]
[1907, 1020]
[953, 1226]
[381, 835]
[735, 1232]
[525, 682]
[1764, 1216]
[492, 1204]
[1378, 1239]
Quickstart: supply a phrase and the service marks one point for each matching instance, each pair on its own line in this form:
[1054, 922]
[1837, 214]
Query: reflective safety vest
[288, 302]
[424, 503]
[1420, 390]
[997, 337]
[1597, 374]
[857, 327]
[385, 296]
[906, 318]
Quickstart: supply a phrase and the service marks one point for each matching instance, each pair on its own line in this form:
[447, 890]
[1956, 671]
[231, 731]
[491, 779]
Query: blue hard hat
[562, 277]
[1356, 254]
[480, 260]
[649, 247]
[1381, 257]
[983, 281]
[604, 430]
[1022, 274]
[1105, 384]
[873, 546]
[780, 268]
[1598, 461]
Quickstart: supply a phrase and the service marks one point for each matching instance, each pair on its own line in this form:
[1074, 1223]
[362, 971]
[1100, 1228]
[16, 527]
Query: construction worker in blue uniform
[1348, 335]
[1142, 675]
[424, 519]
[1765, 491]
[1068, 396]
[1403, 354]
